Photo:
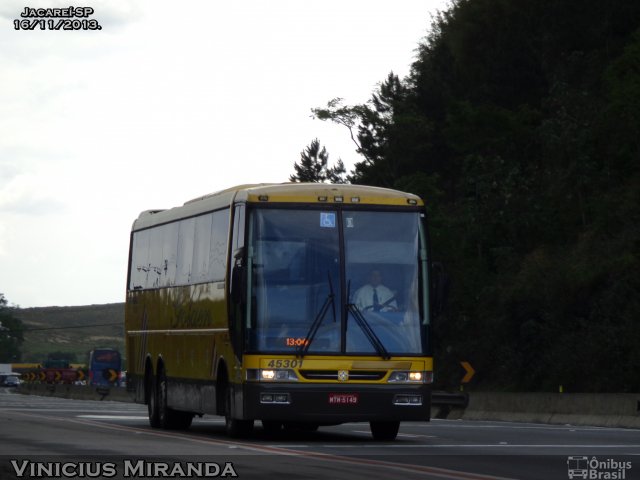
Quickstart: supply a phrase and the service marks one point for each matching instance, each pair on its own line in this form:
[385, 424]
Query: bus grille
[333, 374]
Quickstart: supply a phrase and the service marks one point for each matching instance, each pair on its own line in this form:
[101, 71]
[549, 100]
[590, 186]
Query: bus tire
[384, 431]
[152, 400]
[235, 427]
[168, 418]
[182, 420]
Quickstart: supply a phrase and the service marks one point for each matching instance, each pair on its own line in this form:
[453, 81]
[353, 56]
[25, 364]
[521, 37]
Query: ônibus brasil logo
[593, 468]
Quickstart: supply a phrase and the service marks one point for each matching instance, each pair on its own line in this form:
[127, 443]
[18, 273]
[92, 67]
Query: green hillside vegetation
[76, 330]
[519, 125]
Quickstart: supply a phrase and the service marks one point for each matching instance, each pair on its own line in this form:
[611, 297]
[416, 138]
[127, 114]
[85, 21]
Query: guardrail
[78, 392]
[460, 400]
[444, 403]
[595, 409]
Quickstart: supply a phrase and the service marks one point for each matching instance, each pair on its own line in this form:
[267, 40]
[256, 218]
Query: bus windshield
[336, 281]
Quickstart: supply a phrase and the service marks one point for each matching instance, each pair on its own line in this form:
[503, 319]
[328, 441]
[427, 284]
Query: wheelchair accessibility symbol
[327, 220]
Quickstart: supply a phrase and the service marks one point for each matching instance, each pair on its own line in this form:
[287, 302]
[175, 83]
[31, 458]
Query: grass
[76, 330]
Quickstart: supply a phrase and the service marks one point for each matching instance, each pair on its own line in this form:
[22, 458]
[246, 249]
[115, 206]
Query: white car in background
[12, 381]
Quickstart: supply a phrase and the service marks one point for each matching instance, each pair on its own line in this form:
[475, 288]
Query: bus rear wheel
[384, 431]
[236, 428]
[168, 418]
[152, 401]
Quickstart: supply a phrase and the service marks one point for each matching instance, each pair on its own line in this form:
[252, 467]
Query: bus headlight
[271, 375]
[410, 377]
[267, 374]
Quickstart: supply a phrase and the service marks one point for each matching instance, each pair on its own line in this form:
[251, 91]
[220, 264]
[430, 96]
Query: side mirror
[238, 277]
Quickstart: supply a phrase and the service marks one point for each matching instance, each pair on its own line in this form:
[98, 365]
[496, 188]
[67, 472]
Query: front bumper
[317, 402]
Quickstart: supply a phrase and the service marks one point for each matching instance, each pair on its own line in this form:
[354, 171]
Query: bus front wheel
[384, 431]
[235, 427]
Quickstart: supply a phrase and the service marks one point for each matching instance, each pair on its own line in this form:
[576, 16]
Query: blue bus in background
[105, 367]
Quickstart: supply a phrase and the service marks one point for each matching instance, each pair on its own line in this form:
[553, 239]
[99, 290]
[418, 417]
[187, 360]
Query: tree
[11, 336]
[314, 166]
[387, 131]
[518, 124]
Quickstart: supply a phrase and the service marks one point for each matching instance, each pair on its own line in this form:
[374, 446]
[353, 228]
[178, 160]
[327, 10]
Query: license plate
[343, 398]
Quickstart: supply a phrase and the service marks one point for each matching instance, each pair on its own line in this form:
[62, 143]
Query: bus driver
[375, 296]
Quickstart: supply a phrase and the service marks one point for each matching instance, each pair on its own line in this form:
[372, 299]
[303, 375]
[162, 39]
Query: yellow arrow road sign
[470, 372]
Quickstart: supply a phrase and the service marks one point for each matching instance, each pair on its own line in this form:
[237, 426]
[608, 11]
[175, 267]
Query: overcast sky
[167, 102]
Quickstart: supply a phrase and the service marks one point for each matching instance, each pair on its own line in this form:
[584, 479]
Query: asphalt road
[46, 432]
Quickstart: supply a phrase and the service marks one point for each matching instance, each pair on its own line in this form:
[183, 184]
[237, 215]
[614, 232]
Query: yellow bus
[299, 305]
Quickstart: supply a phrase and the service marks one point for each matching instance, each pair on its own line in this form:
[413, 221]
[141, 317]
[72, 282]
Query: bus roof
[320, 193]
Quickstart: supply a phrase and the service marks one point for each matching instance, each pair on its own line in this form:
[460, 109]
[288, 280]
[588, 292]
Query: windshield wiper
[302, 350]
[368, 331]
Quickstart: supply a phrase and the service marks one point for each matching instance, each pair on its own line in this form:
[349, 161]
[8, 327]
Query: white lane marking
[145, 417]
[275, 445]
[112, 417]
[408, 435]
[414, 435]
[491, 445]
[77, 410]
[573, 428]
